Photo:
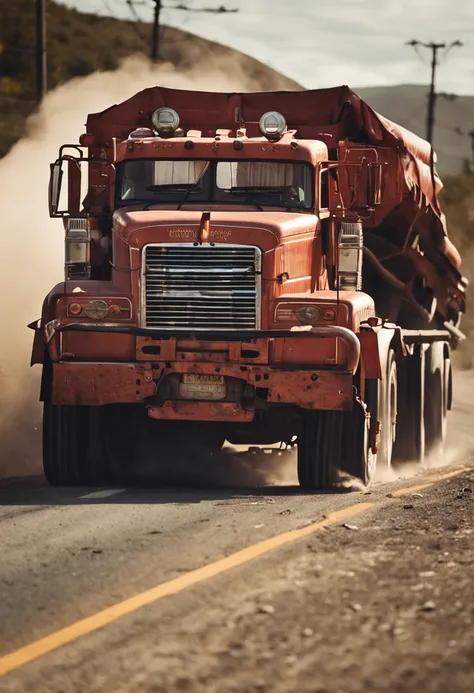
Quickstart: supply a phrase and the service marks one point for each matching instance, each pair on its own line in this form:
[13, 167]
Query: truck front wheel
[319, 448]
[69, 454]
[358, 458]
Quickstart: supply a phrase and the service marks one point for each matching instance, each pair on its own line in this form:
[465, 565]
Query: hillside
[406, 105]
[79, 44]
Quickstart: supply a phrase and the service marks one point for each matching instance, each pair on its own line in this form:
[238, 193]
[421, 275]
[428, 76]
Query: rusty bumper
[120, 383]
[337, 334]
[312, 387]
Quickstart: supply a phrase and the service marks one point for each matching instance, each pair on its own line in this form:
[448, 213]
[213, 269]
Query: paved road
[249, 587]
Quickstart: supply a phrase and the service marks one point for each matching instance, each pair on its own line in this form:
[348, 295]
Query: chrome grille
[201, 287]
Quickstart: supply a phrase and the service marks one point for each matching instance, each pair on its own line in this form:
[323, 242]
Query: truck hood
[267, 229]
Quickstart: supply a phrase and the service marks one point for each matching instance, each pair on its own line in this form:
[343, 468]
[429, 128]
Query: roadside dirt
[386, 604]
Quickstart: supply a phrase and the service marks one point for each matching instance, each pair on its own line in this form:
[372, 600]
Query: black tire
[71, 455]
[358, 459]
[388, 411]
[409, 444]
[437, 377]
[319, 448]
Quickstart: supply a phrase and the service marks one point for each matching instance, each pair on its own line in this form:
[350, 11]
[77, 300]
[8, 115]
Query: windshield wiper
[194, 186]
[170, 187]
[255, 190]
[251, 201]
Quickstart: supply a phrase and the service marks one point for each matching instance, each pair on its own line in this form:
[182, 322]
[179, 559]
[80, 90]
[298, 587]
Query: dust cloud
[239, 466]
[459, 445]
[31, 245]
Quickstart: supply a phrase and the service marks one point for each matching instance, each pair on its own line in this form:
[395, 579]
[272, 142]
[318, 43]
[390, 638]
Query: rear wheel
[387, 411]
[437, 385]
[409, 445]
[72, 445]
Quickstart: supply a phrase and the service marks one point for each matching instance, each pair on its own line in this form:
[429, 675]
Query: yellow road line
[51, 642]
[433, 480]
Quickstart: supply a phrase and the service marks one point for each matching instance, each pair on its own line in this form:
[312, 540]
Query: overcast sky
[323, 43]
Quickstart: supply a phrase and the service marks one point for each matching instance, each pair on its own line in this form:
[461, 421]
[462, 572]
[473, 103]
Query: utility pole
[471, 135]
[41, 74]
[434, 47]
[155, 40]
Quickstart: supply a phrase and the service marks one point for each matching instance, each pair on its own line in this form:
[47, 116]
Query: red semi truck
[249, 267]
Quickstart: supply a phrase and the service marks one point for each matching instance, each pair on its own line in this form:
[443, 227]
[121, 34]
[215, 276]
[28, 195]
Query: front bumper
[312, 335]
[273, 377]
[120, 383]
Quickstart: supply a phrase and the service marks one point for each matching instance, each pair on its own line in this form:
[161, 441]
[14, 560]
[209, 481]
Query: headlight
[165, 120]
[272, 124]
[294, 313]
[97, 310]
[306, 314]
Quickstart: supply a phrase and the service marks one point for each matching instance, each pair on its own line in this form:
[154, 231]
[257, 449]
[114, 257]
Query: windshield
[261, 183]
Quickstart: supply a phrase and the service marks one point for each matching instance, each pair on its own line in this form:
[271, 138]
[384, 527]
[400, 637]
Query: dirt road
[243, 589]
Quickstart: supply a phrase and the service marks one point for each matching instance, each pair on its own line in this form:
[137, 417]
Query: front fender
[375, 345]
[37, 351]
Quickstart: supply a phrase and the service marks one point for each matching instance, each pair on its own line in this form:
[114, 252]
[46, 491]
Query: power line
[158, 6]
[138, 20]
[435, 48]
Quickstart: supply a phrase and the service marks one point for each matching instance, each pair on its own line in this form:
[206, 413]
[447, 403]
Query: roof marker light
[140, 133]
[272, 124]
[165, 120]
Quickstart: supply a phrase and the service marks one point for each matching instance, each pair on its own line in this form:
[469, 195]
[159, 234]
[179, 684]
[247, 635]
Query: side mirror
[73, 180]
[54, 190]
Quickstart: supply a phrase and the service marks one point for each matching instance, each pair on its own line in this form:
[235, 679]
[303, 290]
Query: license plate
[195, 386]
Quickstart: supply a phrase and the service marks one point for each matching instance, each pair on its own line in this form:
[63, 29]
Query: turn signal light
[373, 321]
[329, 314]
[75, 309]
[114, 310]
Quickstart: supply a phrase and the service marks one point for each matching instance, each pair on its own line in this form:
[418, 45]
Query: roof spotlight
[272, 124]
[165, 120]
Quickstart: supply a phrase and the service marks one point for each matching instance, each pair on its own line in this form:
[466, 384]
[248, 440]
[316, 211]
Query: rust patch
[201, 411]
[100, 383]
[311, 390]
